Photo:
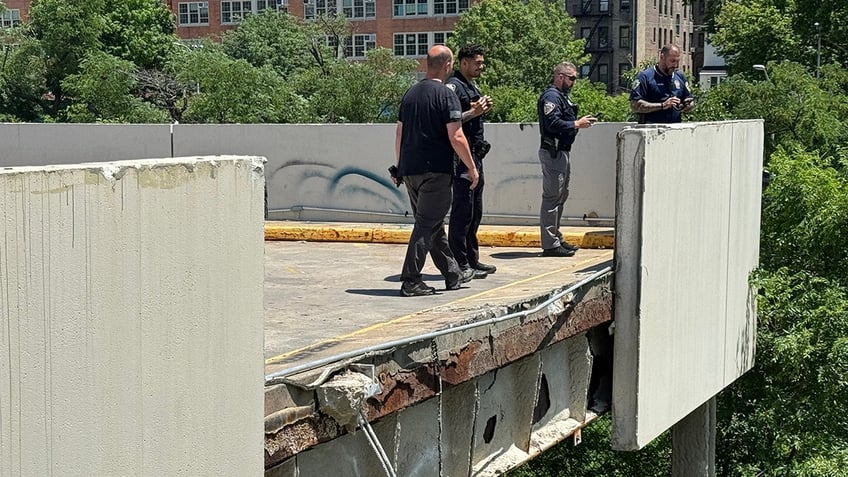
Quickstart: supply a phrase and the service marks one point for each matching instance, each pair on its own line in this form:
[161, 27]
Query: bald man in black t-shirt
[429, 132]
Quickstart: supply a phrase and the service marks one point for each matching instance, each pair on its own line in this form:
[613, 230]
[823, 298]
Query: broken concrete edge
[392, 234]
[474, 356]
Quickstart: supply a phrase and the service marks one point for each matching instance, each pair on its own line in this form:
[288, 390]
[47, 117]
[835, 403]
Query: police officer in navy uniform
[467, 205]
[558, 125]
[660, 93]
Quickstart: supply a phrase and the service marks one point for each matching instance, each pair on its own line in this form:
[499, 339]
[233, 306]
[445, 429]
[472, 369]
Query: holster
[481, 149]
[549, 144]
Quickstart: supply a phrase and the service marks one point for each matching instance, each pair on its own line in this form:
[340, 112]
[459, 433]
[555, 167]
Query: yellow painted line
[375, 326]
[487, 238]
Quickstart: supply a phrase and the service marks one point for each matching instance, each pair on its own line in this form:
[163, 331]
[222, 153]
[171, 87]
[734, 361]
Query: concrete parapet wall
[687, 238]
[337, 172]
[131, 321]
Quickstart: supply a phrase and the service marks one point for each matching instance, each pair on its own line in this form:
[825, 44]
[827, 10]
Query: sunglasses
[572, 77]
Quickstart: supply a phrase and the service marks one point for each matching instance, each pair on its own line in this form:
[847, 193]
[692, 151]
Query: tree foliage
[287, 44]
[66, 31]
[748, 32]
[523, 40]
[140, 31]
[233, 91]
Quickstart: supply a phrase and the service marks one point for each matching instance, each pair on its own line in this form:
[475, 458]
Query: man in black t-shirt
[429, 132]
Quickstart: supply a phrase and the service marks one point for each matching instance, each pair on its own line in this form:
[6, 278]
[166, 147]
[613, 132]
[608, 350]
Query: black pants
[466, 214]
[430, 198]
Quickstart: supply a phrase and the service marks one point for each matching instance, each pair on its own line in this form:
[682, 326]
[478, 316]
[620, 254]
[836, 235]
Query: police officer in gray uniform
[558, 125]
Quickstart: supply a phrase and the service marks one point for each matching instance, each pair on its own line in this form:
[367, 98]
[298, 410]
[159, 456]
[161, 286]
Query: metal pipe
[304, 208]
[277, 375]
[375, 445]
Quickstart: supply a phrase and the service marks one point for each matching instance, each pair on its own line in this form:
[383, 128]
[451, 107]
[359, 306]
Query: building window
[193, 13]
[700, 40]
[358, 9]
[701, 6]
[603, 37]
[441, 37]
[417, 44]
[623, 68]
[317, 8]
[603, 6]
[587, 6]
[10, 18]
[410, 8]
[449, 7]
[275, 5]
[586, 34]
[585, 71]
[677, 24]
[603, 73]
[624, 4]
[234, 12]
[624, 36]
[692, 42]
[358, 45]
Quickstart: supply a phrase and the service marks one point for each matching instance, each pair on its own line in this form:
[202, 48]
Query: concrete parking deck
[342, 294]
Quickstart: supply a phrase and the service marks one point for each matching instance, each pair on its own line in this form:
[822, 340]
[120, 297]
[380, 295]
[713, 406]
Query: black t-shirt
[425, 111]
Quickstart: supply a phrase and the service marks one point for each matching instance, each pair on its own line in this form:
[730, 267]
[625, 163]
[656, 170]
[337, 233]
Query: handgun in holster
[549, 144]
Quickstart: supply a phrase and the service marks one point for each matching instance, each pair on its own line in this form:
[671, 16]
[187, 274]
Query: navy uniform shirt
[557, 114]
[467, 93]
[655, 87]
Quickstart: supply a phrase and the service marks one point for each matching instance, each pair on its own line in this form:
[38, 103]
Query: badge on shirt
[452, 87]
[549, 107]
[455, 115]
[676, 83]
[635, 84]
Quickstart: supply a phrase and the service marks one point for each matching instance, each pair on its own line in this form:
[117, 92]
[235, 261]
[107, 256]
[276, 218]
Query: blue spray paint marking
[347, 171]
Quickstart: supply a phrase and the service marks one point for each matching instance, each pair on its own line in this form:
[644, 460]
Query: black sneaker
[465, 276]
[486, 268]
[557, 252]
[416, 289]
[568, 246]
[478, 273]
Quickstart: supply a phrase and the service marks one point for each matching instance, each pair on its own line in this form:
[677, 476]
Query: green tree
[141, 31]
[287, 44]
[234, 91]
[751, 32]
[67, 31]
[22, 77]
[523, 40]
[371, 90]
[748, 32]
[104, 90]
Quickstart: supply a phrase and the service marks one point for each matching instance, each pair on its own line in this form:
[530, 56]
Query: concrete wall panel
[43, 144]
[566, 367]
[132, 318]
[687, 227]
[458, 405]
[336, 171]
[505, 415]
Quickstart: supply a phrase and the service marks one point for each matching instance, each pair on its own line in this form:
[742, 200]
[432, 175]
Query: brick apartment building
[619, 33]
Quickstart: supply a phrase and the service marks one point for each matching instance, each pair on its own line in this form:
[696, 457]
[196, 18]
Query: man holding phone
[558, 126]
[660, 93]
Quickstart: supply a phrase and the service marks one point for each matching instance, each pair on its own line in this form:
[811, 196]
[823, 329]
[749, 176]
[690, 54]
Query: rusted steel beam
[414, 380]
